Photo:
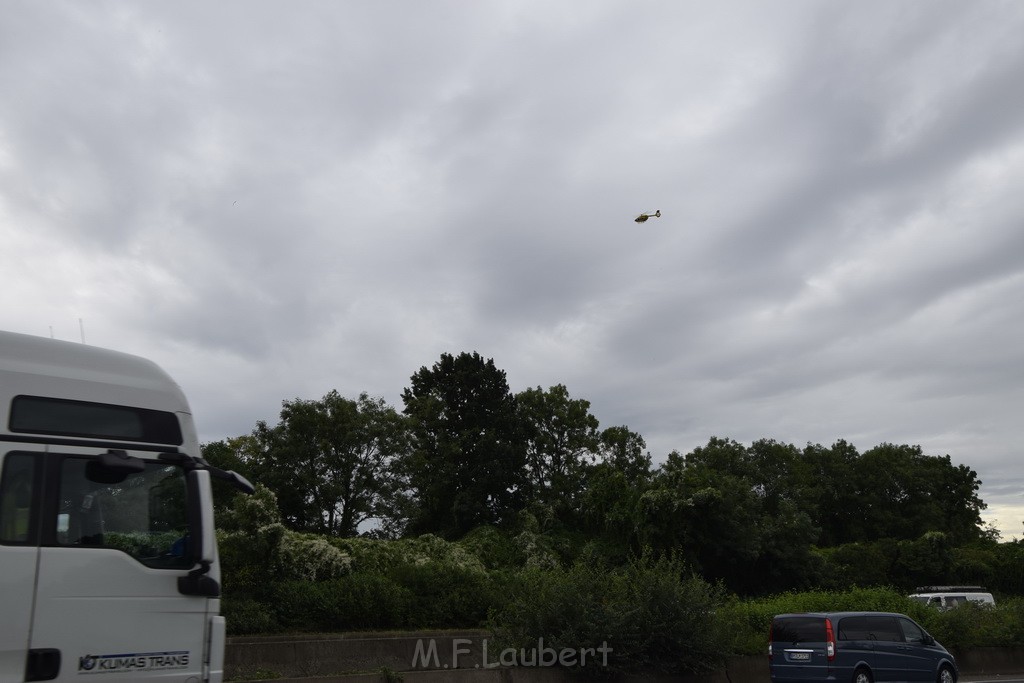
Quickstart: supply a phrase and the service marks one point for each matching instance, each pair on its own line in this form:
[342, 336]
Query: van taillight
[830, 640]
[771, 628]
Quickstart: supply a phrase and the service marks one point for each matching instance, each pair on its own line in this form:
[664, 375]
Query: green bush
[407, 597]
[381, 556]
[652, 614]
[350, 603]
[494, 548]
[444, 596]
[246, 616]
[974, 625]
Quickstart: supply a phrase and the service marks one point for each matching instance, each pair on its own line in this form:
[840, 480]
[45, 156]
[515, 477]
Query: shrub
[349, 603]
[309, 557]
[246, 616]
[374, 555]
[493, 547]
[443, 596]
[974, 625]
[407, 597]
[652, 613]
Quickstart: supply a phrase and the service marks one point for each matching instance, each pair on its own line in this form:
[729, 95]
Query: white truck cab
[107, 545]
[947, 597]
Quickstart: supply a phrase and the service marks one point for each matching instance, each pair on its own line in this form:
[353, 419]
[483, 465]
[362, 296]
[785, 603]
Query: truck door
[19, 553]
[113, 546]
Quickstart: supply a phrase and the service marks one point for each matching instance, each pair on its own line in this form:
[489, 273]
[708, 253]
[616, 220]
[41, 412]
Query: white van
[107, 546]
[947, 597]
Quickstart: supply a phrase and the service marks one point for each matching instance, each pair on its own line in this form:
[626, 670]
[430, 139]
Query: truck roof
[40, 366]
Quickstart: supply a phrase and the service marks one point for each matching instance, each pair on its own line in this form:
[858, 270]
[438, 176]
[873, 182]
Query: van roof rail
[947, 589]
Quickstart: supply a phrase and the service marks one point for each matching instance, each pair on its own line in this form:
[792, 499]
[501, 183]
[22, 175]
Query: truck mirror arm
[230, 476]
[193, 463]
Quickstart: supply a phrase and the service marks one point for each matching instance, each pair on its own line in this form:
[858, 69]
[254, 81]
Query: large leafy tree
[714, 507]
[467, 464]
[904, 494]
[612, 490]
[626, 452]
[329, 461]
[830, 495]
[702, 507]
[562, 440]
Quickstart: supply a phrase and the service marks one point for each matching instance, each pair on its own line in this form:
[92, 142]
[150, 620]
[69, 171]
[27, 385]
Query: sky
[273, 200]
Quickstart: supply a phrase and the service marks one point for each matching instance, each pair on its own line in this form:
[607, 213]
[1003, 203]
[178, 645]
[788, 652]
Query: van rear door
[798, 648]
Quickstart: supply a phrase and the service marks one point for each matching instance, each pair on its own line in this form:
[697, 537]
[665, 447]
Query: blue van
[855, 647]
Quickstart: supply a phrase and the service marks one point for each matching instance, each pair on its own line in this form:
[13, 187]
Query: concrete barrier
[332, 654]
[990, 660]
[463, 657]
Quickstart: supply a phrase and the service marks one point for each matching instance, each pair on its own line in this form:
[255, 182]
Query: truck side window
[144, 515]
[16, 484]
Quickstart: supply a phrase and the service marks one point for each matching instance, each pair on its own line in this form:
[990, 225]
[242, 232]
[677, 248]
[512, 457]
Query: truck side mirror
[201, 548]
[200, 516]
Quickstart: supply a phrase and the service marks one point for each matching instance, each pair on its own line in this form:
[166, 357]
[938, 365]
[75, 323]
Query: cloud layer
[274, 203]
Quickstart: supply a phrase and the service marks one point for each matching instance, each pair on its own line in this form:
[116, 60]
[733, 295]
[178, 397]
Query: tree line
[465, 453]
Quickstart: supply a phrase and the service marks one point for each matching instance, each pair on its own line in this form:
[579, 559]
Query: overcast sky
[273, 200]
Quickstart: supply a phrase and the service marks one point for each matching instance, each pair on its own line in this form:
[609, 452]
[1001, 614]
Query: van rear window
[62, 417]
[798, 630]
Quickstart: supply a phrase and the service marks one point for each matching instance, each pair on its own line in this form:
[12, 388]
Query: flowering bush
[249, 513]
[387, 555]
[257, 548]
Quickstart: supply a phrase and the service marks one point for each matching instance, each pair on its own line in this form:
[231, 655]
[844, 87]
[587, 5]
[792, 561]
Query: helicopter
[642, 218]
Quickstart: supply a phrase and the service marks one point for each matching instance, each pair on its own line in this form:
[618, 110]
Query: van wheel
[862, 675]
[946, 675]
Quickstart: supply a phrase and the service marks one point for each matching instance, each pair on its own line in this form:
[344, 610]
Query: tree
[329, 461]
[729, 519]
[778, 474]
[466, 467]
[608, 508]
[702, 507]
[625, 451]
[831, 496]
[905, 494]
[561, 443]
